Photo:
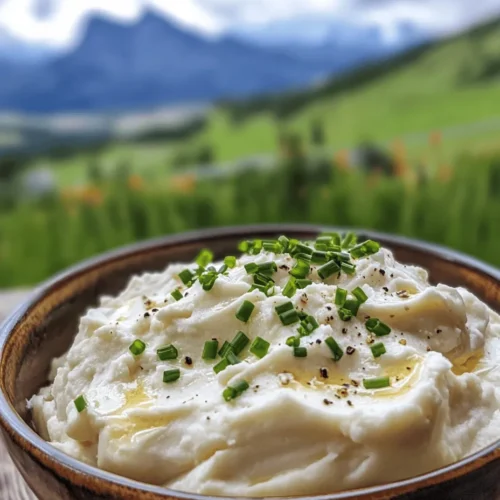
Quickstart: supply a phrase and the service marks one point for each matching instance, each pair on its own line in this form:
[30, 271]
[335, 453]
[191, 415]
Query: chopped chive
[340, 297]
[322, 247]
[349, 240]
[368, 247]
[348, 268]
[319, 257]
[352, 305]
[230, 261]
[239, 342]
[300, 269]
[290, 287]
[226, 347]
[289, 317]
[340, 256]
[186, 276]
[303, 283]
[167, 352]
[244, 246]
[303, 248]
[378, 349]
[272, 246]
[204, 257]
[376, 383]
[80, 403]
[221, 365]
[171, 375]
[261, 279]
[208, 279]
[323, 240]
[176, 294]
[300, 352]
[308, 325]
[345, 314]
[251, 268]
[256, 247]
[303, 256]
[284, 242]
[293, 341]
[335, 348]
[259, 347]
[137, 347]
[360, 295]
[232, 358]
[302, 315]
[329, 269]
[236, 390]
[222, 269]
[210, 349]
[245, 311]
[376, 326]
[267, 268]
[287, 306]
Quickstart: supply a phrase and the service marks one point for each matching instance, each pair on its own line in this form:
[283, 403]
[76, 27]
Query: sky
[58, 23]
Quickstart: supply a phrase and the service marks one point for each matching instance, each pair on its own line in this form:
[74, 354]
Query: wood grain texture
[12, 485]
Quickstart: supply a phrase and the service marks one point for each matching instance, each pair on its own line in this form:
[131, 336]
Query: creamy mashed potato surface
[408, 384]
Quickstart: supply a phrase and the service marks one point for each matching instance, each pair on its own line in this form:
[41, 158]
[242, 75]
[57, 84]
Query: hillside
[447, 83]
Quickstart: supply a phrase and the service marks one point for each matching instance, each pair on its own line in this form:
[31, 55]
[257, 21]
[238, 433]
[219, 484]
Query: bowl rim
[51, 457]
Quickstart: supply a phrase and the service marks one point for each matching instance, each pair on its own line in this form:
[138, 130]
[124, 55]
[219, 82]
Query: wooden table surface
[12, 485]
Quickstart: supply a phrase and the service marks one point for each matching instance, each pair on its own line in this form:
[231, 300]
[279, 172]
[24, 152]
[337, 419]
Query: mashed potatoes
[365, 374]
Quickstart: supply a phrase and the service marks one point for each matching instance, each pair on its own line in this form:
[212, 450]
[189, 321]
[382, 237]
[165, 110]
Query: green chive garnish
[176, 294]
[360, 295]
[303, 283]
[335, 348]
[368, 247]
[259, 347]
[239, 342]
[232, 358]
[167, 352]
[290, 287]
[272, 246]
[377, 327]
[348, 268]
[349, 240]
[319, 257]
[230, 261]
[236, 390]
[186, 276]
[171, 375]
[378, 349]
[222, 269]
[345, 314]
[289, 317]
[226, 347]
[267, 268]
[293, 341]
[376, 383]
[352, 305]
[210, 349]
[340, 297]
[204, 257]
[208, 280]
[300, 352]
[308, 325]
[287, 306]
[80, 403]
[137, 347]
[251, 268]
[245, 311]
[303, 248]
[284, 242]
[221, 365]
[300, 269]
[329, 269]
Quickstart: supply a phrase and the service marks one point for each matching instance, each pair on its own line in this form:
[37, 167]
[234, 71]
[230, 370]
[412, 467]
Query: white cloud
[62, 21]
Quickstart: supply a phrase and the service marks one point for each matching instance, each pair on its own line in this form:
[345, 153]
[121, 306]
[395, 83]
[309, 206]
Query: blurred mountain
[337, 45]
[151, 62]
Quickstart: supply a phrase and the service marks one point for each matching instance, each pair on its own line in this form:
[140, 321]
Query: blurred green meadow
[409, 146]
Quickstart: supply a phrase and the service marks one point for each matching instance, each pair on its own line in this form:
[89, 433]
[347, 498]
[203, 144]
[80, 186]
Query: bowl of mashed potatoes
[258, 362]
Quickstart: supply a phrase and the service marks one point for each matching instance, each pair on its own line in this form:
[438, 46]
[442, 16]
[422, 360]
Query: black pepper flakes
[329, 308]
[385, 289]
[323, 372]
[439, 330]
[146, 315]
[318, 341]
[284, 267]
[344, 330]
[382, 272]
[327, 402]
[188, 361]
[350, 350]
[349, 402]
[155, 310]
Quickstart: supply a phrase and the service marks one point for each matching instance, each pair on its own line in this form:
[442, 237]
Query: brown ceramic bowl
[45, 325]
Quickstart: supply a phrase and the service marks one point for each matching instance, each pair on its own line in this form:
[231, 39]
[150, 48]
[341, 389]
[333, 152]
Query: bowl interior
[45, 327]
